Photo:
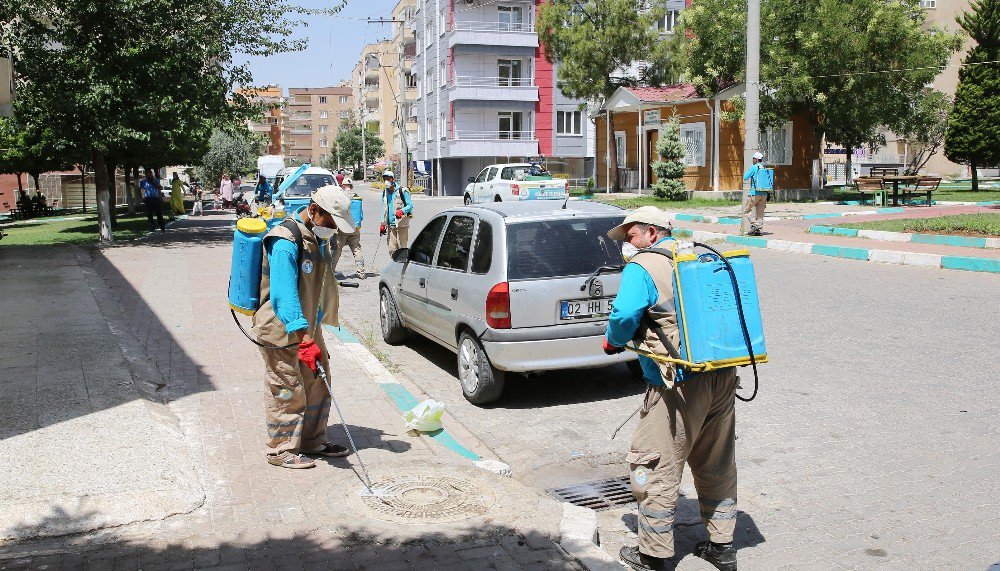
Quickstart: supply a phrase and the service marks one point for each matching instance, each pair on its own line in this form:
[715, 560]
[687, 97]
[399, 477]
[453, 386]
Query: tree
[851, 67]
[924, 127]
[27, 148]
[669, 169]
[229, 153]
[973, 135]
[122, 81]
[596, 43]
[349, 143]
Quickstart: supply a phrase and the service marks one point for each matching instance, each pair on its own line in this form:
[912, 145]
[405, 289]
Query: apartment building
[6, 88]
[487, 94]
[375, 85]
[312, 120]
[269, 124]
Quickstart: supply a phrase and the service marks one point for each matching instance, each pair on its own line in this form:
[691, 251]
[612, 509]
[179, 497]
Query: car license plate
[570, 309]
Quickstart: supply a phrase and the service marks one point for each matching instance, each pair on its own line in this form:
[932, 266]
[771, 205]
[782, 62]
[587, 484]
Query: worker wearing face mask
[299, 293]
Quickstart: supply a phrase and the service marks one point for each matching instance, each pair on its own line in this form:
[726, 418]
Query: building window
[693, 136]
[510, 18]
[509, 72]
[429, 81]
[322, 99]
[509, 124]
[620, 148]
[429, 129]
[776, 145]
[343, 100]
[442, 23]
[569, 123]
[322, 143]
[324, 128]
[443, 125]
[928, 3]
[322, 114]
[665, 25]
[273, 120]
[443, 71]
[345, 114]
[411, 81]
[428, 33]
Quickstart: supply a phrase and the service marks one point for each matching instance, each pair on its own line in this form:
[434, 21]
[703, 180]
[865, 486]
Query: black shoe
[632, 557]
[722, 555]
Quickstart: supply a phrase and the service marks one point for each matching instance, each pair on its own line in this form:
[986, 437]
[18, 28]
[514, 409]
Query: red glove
[399, 214]
[309, 354]
[611, 349]
[381, 229]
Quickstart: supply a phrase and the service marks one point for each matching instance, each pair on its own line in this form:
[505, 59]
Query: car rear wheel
[392, 325]
[468, 200]
[481, 382]
[636, 369]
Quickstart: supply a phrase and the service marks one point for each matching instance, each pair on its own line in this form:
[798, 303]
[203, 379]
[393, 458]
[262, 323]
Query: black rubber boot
[637, 560]
[722, 555]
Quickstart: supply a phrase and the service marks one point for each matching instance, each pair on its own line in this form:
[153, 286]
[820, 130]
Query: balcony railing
[302, 131]
[485, 26]
[492, 136]
[476, 81]
[370, 87]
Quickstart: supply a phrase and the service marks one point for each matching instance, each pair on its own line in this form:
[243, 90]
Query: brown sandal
[330, 451]
[289, 460]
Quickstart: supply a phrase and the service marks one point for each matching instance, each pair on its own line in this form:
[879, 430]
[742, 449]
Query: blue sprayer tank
[707, 315]
[248, 257]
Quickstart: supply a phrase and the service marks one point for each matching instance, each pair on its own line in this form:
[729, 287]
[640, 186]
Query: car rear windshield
[306, 184]
[561, 248]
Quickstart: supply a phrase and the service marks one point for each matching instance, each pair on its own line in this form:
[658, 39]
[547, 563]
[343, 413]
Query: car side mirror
[472, 179]
[401, 255]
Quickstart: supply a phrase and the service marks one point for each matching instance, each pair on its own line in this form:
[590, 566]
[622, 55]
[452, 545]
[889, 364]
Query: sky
[334, 45]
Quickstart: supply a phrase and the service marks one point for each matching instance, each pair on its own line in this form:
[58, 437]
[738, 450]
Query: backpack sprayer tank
[245, 272]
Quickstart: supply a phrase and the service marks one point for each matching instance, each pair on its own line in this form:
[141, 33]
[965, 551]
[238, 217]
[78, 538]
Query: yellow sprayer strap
[700, 367]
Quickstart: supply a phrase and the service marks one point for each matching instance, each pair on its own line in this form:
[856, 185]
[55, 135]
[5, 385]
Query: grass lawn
[955, 192]
[962, 224]
[39, 232]
[666, 203]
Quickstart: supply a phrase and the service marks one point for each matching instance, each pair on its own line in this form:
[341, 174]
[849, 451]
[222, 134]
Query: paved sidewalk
[170, 291]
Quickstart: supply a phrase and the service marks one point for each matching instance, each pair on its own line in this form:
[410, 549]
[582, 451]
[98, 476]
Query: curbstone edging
[916, 238]
[579, 537]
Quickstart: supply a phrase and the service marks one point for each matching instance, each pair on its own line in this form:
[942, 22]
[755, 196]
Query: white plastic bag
[425, 417]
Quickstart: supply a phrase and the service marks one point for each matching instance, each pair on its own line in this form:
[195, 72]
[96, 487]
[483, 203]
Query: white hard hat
[388, 173]
[759, 156]
[645, 215]
[332, 199]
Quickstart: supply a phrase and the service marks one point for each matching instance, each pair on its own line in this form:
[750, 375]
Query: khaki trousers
[694, 422]
[353, 241]
[296, 402]
[398, 238]
[753, 212]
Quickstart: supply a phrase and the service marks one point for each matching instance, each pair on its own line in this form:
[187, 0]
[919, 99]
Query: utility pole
[751, 117]
[404, 158]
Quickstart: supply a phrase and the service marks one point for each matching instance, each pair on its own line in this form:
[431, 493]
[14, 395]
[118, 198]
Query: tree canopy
[230, 152]
[669, 169]
[349, 146]
[973, 134]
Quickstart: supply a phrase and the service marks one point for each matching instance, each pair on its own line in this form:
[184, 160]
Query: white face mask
[628, 250]
[322, 232]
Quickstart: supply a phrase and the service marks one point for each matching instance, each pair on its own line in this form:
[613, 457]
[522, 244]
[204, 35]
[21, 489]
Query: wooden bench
[871, 185]
[925, 184]
[882, 171]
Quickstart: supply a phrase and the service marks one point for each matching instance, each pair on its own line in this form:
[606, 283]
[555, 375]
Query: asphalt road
[873, 440]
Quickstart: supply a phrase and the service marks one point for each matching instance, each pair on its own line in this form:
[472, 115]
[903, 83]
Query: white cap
[347, 182]
[759, 156]
[388, 172]
[645, 215]
[333, 200]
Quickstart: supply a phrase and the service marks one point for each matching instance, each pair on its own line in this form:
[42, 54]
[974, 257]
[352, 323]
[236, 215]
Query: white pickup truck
[514, 181]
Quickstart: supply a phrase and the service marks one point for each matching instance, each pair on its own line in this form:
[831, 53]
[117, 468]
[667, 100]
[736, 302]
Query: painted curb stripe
[342, 334]
[825, 215]
[889, 210]
[930, 239]
[405, 400]
[730, 221]
[747, 241]
[840, 251]
[970, 264]
[936, 239]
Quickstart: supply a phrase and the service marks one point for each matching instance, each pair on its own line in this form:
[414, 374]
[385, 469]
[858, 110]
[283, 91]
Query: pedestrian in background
[760, 184]
[152, 197]
[688, 420]
[340, 177]
[397, 209]
[176, 195]
[226, 191]
[352, 239]
[263, 192]
[197, 209]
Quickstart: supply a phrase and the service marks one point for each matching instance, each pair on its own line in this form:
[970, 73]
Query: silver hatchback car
[510, 287]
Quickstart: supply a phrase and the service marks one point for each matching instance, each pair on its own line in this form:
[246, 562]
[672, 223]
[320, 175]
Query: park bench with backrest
[924, 185]
[872, 185]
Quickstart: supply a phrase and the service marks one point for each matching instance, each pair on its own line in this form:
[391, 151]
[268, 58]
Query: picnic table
[895, 179]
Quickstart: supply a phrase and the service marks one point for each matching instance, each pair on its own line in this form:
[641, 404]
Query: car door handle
[454, 293]
[422, 282]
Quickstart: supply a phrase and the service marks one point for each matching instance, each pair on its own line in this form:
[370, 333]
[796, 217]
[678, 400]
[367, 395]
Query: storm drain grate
[599, 495]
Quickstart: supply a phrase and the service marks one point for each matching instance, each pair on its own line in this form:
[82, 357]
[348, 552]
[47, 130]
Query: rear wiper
[601, 270]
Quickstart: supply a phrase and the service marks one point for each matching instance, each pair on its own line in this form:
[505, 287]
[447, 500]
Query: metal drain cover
[599, 495]
[424, 498]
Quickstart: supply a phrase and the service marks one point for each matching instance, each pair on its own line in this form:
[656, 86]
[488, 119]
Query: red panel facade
[543, 108]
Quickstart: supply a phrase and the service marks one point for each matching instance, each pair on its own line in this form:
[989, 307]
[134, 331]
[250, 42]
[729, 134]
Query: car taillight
[515, 189]
[498, 306]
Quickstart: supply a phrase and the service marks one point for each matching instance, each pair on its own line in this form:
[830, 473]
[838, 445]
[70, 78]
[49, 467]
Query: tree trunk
[817, 182]
[975, 178]
[20, 187]
[849, 166]
[129, 190]
[35, 176]
[112, 191]
[103, 197]
[83, 185]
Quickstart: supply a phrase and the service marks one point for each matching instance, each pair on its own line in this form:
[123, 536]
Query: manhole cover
[599, 495]
[424, 498]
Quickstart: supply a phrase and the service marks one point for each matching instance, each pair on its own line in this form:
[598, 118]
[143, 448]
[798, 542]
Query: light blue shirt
[760, 179]
[149, 189]
[390, 199]
[283, 259]
[636, 294]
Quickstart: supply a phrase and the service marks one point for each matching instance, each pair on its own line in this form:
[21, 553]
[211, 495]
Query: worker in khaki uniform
[351, 240]
[299, 290]
[397, 209]
[681, 420]
[760, 184]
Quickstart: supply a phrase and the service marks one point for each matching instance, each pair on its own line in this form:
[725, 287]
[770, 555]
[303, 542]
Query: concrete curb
[933, 239]
[966, 263]
[579, 537]
[735, 220]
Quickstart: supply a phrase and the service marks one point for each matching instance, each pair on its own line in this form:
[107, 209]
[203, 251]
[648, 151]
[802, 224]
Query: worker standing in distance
[352, 240]
[681, 420]
[397, 209]
[299, 293]
[760, 184]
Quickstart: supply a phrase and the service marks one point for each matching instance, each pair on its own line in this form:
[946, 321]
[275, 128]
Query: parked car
[514, 181]
[299, 193]
[520, 287]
